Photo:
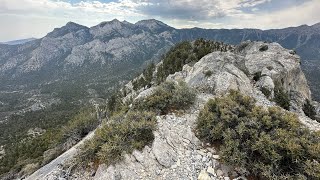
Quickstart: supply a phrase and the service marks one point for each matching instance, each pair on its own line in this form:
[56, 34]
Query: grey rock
[204, 175]
[211, 171]
[219, 172]
[267, 83]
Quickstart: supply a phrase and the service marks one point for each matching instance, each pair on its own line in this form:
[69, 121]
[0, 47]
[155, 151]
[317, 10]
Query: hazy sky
[35, 18]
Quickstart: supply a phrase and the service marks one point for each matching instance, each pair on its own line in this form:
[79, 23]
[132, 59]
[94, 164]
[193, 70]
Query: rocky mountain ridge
[78, 54]
[176, 153]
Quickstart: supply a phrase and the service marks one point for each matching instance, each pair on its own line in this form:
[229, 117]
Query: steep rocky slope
[176, 153]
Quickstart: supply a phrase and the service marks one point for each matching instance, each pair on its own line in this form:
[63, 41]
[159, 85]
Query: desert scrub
[309, 109]
[266, 92]
[208, 73]
[167, 97]
[257, 76]
[270, 143]
[123, 134]
[281, 97]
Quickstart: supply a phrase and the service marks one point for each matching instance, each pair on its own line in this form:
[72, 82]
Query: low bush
[123, 134]
[266, 92]
[263, 48]
[257, 76]
[269, 143]
[208, 73]
[281, 97]
[309, 109]
[167, 97]
[31, 150]
[80, 125]
[146, 79]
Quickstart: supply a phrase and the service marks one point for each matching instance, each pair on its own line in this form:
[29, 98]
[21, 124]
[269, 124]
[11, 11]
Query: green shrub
[80, 125]
[146, 79]
[148, 74]
[281, 97]
[208, 73]
[266, 92]
[30, 150]
[309, 109]
[167, 97]
[123, 134]
[263, 48]
[269, 143]
[257, 76]
[115, 104]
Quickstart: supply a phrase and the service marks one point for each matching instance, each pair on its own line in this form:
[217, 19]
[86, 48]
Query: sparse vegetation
[167, 97]
[115, 104]
[269, 143]
[281, 97]
[146, 79]
[266, 92]
[208, 73]
[30, 150]
[309, 109]
[263, 48]
[257, 76]
[123, 134]
[187, 53]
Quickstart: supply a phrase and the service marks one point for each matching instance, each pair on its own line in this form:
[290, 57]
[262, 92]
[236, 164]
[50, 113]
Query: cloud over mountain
[18, 15]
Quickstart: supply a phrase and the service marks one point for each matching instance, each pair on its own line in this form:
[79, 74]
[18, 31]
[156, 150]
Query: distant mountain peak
[154, 25]
[112, 22]
[68, 28]
[151, 21]
[73, 24]
[115, 20]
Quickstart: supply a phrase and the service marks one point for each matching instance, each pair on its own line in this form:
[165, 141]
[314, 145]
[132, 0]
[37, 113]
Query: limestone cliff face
[176, 152]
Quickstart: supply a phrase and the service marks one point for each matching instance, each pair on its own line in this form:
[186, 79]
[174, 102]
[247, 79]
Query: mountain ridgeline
[99, 56]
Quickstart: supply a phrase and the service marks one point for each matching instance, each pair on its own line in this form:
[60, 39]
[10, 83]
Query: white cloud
[306, 13]
[26, 18]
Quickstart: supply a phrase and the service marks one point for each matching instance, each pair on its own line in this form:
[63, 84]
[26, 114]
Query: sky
[35, 18]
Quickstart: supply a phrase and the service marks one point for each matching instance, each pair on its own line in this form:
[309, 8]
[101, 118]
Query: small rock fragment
[211, 171]
[204, 175]
[215, 156]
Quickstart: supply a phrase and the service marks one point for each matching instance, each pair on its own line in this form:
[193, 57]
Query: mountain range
[75, 61]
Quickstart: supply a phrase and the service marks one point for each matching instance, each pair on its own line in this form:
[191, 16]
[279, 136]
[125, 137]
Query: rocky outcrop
[237, 70]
